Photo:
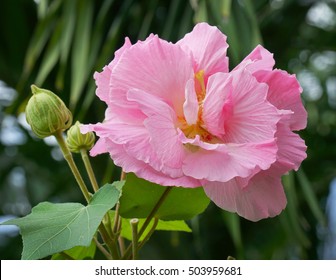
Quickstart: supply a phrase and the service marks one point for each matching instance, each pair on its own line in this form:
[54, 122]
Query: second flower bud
[77, 141]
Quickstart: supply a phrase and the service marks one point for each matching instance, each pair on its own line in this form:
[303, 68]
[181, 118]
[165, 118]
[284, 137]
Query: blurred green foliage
[59, 44]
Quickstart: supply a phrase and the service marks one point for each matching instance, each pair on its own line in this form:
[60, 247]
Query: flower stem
[123, 175]
[154, 210]
[148, 220]
[121, 243]
[149, 234]
[89, 170]
[109, 242]
[134, 224]
[68, 157]
[117, 220]
[102, 249]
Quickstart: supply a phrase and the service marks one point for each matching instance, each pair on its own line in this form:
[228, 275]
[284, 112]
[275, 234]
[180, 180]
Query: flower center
[190, 131]
[200, 86]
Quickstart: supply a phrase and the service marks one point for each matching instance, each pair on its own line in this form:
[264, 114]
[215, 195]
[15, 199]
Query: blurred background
[58, 45]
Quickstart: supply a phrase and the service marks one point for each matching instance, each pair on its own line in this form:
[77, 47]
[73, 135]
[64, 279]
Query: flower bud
[77, 141]
[46, 113]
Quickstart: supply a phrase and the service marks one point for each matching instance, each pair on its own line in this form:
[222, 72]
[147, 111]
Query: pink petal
[263, 197]
[85, 128]
[120, 156]
[258, 59]
[208, 46]
[157, 67]
[218, 104]
[284, 93]
[103, 78]
[103, 84]
[119, 53]
[161, 127]
[98, 148]
[223, 162]
[253, 118]
[123, 109]
[135, 139]
[190, 106]
[292, 149]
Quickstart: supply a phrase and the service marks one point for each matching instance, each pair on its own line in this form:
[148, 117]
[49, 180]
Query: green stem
[149, 234]
[102, 249]
[134, 224]
[109, 242]
[68, 157]
[121, 243]
[122, 176]
[154, 210]
[148, 219]
[117, 219]
[89, 170]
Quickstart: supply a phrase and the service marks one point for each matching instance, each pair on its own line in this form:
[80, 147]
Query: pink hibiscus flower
[176, 116]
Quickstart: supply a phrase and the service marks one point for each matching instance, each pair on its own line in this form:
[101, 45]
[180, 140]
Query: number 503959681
[215, 270]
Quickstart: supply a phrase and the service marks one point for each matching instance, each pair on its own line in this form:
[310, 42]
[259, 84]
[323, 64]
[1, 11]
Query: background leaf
[140, 196]
[77, 253]
[126, 229]
[52, 228]
[79, 69]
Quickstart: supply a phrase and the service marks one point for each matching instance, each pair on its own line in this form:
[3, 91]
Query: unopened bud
[46, 113]
[77, 141]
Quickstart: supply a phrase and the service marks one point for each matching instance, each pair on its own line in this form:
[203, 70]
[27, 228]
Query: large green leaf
[52, 228]
[140, 196]
[77, 253]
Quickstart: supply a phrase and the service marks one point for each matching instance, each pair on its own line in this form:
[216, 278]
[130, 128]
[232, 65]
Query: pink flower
[176, 116]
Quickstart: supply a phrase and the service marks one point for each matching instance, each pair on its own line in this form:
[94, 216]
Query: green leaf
[292, 212]
[51, 55]
[81, 47]
[119, 185]
[126, 229]
[108, 45]
[171, 19]
[77, 253]
[52, 228]
[68, 27]
[140, 196]
[41, 35]
[201, 13]
[232, 222]
[310, 197]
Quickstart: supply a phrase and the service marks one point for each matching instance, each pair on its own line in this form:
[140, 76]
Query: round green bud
[77, 141]
[46, 113]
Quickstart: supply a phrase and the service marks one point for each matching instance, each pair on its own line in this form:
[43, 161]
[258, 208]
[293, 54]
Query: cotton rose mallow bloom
[176, 116]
